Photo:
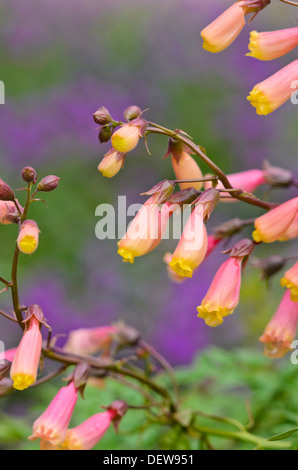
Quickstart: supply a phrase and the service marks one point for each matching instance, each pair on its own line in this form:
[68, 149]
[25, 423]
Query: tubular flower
[111, 164]
[291, 232]
[89, 433]
[187, 168]
[290, 280]
[248, 181]
[223, 31]
[281, 330]
[28, 237]
[223, 295]
[273, 44]
[272, 225]
[52, 425]
[192, 247]
[145, 231]
[87, 341]
[273, 92]
[25, 363]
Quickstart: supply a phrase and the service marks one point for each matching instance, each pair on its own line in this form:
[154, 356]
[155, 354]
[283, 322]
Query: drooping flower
[127, 137]
[290, 280]
[273, 92]
[224, 30]
[145, 231]
[248, 181]
[111, 164]
[192, 247]
[281, 330]
[273, 44]
[223, 295]
[87, 341]
[89, 433]
[291, 232]
[272, 225]
[25, 363]
[28, 237]
[52, 425]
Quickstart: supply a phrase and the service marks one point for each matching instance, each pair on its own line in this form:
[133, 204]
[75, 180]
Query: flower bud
[8, 213]
[127, 137]
[102, 116]
[29, 174]
[105, 134]
[28, 237]
[6, 193]
[49, 183]
[112, 163]
[132, 112]
[276, 176]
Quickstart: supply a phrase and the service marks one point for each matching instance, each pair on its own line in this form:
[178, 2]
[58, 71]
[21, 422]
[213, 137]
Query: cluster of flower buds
[270, 94]
[123, 140]
[52, 427]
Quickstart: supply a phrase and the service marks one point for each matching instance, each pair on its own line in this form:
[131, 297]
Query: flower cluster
[271, 93]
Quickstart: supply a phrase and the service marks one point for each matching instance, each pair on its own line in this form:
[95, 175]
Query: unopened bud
[49, 183]
[241, 249]
[104, 134]
[209, 199]
[162, 190]
[132, 112]
[276, 176]
[6, 193]
[29, 174]
[126, 335]
[102, 116]
[112, 163]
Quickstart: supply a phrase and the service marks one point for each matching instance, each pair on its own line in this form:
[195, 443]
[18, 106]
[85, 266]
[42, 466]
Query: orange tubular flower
[28, 237]
[187, 168]
[281, 330]
[146, 230]
[52, 425]
[87, 341]
[25, 363]
[273, 92]
[89, 433]
[111, 164]
[224, 30]
[290, 280]
[271, 226]
[192, 247]
[273, 44]
[291, 232]
[223, 295]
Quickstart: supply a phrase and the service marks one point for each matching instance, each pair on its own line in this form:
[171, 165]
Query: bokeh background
[60, 61]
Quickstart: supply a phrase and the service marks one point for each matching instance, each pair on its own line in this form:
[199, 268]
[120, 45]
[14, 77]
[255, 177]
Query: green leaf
[283, 435]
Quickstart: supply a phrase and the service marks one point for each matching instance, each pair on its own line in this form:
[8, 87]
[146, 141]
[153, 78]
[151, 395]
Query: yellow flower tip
[292, 287]
[259, 100]
[276, 349]
[71, 443]
[127, 255]
[210, 47]
[22, 381]
[28, 244]
[257, 236]
[213, 316]
[181, 268]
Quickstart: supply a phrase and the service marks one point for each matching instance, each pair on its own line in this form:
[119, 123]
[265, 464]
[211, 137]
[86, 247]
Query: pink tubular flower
[192, 247]
[281, 330]
[187, 168]
[291, 232]
[111, 164]
[28, 237]
[89, 433]
[223, 31]
[273, 92]
[272, 225]
[52, 425]
[290, 280]
[25, 363]
[87, 341]
[248, 181]
[223, 295]
[273, 44]
[145, 231]
[212, 244]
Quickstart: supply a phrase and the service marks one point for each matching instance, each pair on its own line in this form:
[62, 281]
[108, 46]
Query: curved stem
[288, 2]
